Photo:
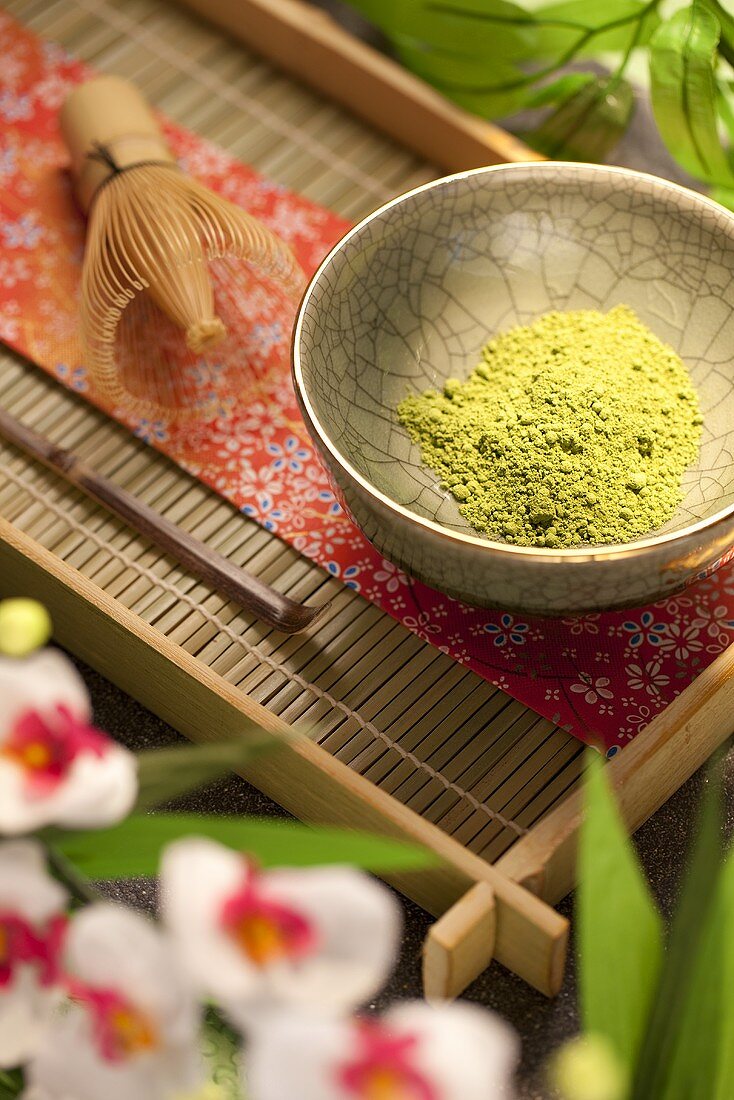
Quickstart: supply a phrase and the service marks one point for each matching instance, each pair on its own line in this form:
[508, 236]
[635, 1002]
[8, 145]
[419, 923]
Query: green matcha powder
[575, 429]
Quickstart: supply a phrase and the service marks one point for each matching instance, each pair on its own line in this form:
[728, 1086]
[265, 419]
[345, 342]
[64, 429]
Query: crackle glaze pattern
[411, 295]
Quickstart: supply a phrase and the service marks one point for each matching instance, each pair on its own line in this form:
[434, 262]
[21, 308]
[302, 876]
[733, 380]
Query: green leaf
[724, 195]
[491, 90]
[619, 929]
[560, 90]
[725, 969]
[133, 848]
[595, 26]
[726, 23]
[164, 774]
[11, 1084]
[588, 124]
[683, 89]
[681, 1002]
[725, 108]
[483, 30]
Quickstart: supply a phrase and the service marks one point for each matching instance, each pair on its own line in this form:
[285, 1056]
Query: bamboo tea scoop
[265, 603]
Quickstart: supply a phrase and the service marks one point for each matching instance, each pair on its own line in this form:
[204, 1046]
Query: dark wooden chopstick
[265, 603]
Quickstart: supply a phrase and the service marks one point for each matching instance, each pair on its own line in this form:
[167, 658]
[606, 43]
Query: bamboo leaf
[164, 774]
[133, 848]
[683, 89]
[619, 929]
[665, 1070]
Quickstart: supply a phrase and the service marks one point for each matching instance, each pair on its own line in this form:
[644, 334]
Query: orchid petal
[41, 681]
[25, 885]
[97, 789]
[25, 1011]
[354, 921]
[27, 998]
[118, 951]
[458, 1052]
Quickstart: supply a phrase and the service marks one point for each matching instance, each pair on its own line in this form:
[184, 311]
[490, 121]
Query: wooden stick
[308, 43]
[644, 775]
[460, 945]
[265, 603]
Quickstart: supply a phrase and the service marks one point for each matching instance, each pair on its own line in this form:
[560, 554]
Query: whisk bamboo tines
[171, 283]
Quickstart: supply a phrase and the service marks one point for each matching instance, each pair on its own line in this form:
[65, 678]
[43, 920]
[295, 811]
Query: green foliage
[164, 774]
[686, 1002]
[668, 1014]
[619, 929]
[134, 847]
[495, 58]
[588, 123]
[684, 91]
[11, 1084]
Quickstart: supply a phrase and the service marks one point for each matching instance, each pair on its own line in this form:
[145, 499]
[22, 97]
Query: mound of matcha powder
[575, 429]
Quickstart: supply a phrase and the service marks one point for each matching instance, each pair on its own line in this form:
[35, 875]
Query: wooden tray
[397, 738]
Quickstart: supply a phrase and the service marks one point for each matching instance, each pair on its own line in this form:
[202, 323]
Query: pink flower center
[121, 1030]
[384, 1068]
[266, 931]
[22, 942]
[45, 746]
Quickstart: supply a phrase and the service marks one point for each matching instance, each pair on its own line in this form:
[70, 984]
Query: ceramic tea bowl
[408, 298]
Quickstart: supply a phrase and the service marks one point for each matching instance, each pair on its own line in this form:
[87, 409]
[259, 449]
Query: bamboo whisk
[173, 274]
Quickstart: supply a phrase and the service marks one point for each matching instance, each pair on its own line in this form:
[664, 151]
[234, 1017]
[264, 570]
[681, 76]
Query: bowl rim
[538, 554]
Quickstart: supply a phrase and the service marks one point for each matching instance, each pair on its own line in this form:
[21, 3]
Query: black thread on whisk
[103, 155]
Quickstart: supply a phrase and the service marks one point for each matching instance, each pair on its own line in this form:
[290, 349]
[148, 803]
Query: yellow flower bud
[25, 625]
[587, 1068]
[208, 1091]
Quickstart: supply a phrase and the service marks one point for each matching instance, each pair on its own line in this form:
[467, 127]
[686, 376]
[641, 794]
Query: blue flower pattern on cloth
[507, 630]
[646, 630]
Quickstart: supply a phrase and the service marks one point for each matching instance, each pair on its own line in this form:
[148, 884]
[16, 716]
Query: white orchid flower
[414, 1052]
[55, 767]
[32, 923]
[323, 938]
[131, 1030]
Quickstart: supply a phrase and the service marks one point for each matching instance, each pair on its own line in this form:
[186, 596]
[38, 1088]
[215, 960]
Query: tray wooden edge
[528, 936]
[307, 43]
[645, 775]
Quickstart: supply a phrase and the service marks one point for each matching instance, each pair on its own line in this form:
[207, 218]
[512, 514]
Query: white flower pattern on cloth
[593, 689]
[650, 654]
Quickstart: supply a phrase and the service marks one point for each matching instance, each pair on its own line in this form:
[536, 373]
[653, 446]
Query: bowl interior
[411, 296]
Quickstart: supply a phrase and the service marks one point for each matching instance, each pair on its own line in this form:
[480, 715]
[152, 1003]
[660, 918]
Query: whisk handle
[108, 127]
[265, 603]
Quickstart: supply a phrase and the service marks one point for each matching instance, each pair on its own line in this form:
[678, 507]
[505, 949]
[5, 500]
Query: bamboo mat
[436, 736]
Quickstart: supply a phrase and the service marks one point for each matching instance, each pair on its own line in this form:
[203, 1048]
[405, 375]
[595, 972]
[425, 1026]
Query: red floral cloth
[602, 677]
